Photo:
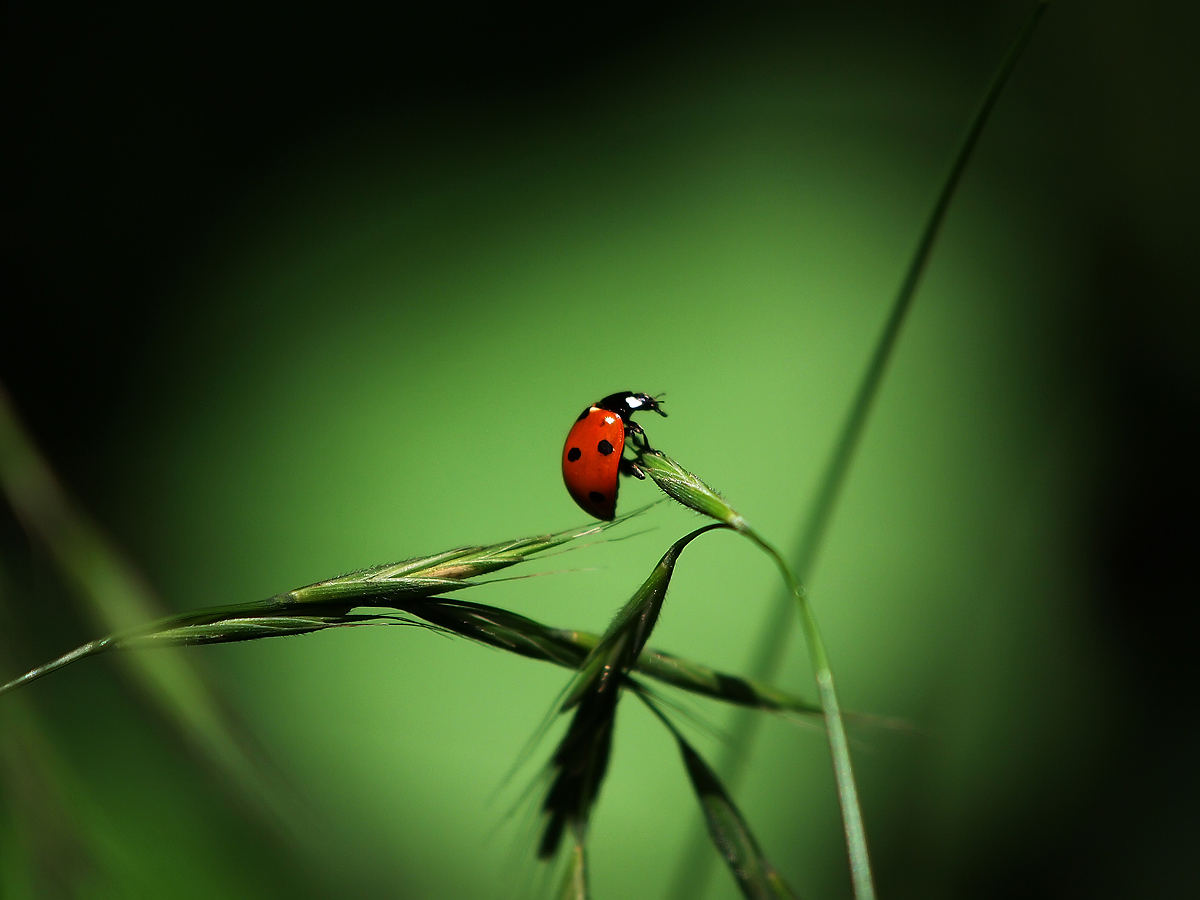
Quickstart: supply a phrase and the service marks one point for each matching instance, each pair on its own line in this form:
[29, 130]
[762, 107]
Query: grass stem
[768, 654]
[835, 728]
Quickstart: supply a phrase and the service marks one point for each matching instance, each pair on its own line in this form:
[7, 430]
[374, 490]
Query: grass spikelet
[425, 576]
[623, 642]
[327, 604]
[574, 884]
[505, 630]
[684, 487]
[580, 761]
[579, 765]
[485, 624]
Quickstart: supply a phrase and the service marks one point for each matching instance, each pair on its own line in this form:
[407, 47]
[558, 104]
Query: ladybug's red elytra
[592, 454]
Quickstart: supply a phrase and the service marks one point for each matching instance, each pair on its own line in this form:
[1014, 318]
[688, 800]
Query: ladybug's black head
[626, 403]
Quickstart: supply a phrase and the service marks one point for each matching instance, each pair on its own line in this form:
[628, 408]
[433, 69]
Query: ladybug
[592, 455]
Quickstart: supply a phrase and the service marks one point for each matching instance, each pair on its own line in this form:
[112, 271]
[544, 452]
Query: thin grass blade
[485, 624]
[701, 498]
[112, 593]
[205, 628]
[752, 871]
[776, 630]
[326, 604]
[700, 679]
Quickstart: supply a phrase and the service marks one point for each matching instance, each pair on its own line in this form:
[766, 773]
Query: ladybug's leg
[629, 467]
[633, 428]
[637, 443]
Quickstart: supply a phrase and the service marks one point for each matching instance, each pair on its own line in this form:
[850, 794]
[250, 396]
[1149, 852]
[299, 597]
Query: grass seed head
[424, 576]
[685, 487]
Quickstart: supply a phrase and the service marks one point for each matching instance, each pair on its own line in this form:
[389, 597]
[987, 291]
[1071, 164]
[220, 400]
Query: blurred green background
[294, 293]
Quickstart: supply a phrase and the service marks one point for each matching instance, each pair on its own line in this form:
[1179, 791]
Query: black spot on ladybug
[605, 448]
[596, 497]
[583, 415]
[573, 454]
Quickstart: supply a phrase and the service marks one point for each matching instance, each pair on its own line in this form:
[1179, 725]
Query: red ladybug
[592, 454]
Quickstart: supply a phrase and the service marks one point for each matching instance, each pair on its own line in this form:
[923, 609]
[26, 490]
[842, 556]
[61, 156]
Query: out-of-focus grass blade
[768, 653]
[53, 842]
[52, 837]
[116, 598]
[755, 876]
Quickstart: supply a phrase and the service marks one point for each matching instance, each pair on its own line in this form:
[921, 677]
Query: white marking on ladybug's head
[608, 420]
[633, 402]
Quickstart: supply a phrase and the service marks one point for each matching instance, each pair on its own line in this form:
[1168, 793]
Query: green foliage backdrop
[373, 345]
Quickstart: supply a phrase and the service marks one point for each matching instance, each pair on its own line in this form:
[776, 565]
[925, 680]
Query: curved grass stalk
[325, 604]
[680, 484]
[835, 729]
[485, 624]
[408, 587]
